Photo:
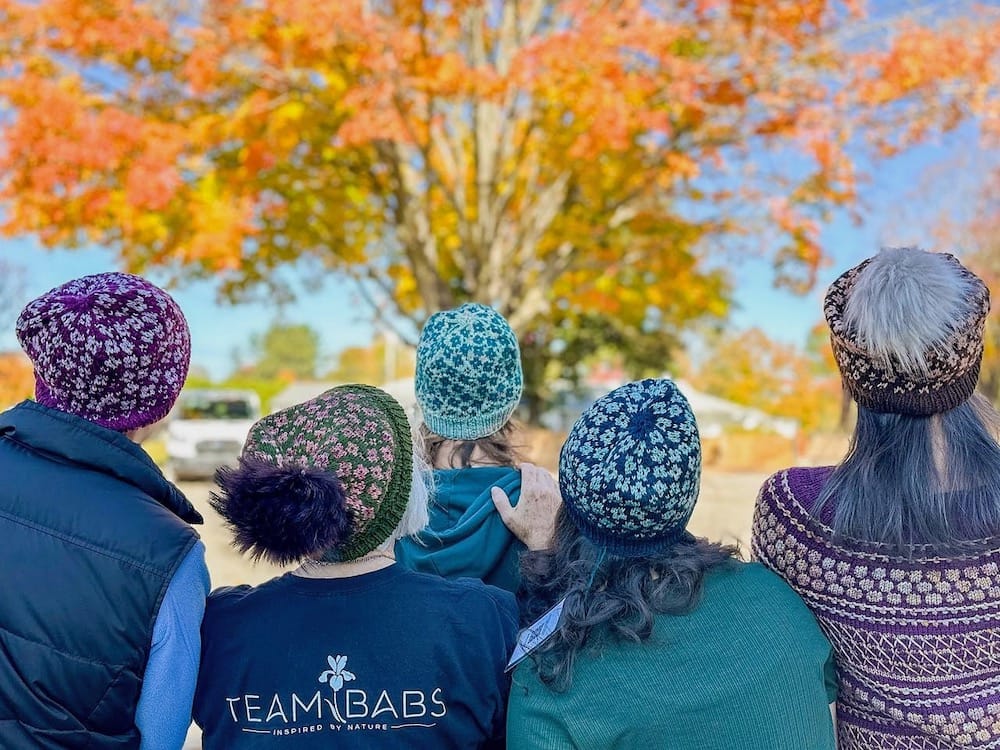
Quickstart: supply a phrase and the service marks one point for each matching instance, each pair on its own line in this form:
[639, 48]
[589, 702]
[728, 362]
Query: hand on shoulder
[533, 519]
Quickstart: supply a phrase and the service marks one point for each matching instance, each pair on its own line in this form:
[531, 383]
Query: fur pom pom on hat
[630, 470]
[329, 478]
[111, 348]
[469, 378]
[282, 513]
[906, 328]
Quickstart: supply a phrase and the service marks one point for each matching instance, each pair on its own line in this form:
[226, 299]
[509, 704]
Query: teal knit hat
[469, 378]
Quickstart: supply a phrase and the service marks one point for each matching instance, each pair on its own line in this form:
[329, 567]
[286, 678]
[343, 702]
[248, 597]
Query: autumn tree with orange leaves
[588, 167]
[17, 379]
[981, 236]
[748, 367]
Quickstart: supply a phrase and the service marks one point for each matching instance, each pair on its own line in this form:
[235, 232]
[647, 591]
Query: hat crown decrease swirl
[111, 348]
[630, 469]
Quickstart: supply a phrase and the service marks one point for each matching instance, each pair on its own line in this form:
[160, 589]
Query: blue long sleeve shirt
[164, 711]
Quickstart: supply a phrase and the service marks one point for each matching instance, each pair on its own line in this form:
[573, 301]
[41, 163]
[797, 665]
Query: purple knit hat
[110, 348]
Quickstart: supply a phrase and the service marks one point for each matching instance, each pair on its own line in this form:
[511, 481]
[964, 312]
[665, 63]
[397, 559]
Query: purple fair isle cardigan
[917, 641]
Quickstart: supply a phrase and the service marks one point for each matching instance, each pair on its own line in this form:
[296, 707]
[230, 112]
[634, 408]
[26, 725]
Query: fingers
[535, 514]
[532, 520]
[536, 481]
[502, 504]
[528, 476]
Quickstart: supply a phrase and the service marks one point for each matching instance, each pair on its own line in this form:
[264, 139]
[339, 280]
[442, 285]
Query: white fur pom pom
[905, 303]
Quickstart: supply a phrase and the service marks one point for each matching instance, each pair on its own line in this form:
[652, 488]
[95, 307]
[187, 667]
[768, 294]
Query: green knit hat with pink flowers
[329, 478]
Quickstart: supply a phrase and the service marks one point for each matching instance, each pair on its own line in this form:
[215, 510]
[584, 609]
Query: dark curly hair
[607, 595]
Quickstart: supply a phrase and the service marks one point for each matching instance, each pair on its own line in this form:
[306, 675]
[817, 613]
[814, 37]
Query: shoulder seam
[90, 547]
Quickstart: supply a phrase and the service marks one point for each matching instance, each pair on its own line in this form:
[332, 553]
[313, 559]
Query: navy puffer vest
[90, 535]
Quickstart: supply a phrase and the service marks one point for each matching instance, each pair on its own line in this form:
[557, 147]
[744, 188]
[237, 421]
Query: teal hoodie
[466, 537]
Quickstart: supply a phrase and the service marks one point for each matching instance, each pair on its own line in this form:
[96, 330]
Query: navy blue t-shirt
[392, 658]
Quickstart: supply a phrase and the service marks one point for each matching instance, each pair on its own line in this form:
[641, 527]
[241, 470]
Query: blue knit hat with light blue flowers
[469, 378]
[630, 470]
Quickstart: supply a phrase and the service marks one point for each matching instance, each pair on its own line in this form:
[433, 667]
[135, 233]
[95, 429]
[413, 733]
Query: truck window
[217, 409]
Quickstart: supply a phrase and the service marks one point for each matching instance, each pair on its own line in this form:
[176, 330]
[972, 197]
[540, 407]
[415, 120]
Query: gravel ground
[724, 513]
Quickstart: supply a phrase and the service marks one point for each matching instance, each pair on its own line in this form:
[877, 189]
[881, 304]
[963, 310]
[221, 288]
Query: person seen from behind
[351, 649]
[468, 383]
[896, 549]
[655, 638]
[103, 579]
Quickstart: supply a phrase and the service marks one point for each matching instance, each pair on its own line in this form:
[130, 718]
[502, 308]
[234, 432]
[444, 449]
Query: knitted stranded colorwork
[915, 639]
[111, 348]
[630, 469]
[951, 363]
[357, 435]
[469, 378]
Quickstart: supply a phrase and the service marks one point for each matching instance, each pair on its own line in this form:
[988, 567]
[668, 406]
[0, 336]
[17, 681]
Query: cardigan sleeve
[164, 711]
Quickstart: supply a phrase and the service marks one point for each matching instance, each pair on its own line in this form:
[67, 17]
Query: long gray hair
[910, 482]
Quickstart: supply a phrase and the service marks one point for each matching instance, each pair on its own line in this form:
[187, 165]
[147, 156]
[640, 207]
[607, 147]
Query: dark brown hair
[607, 596]
[498, 448]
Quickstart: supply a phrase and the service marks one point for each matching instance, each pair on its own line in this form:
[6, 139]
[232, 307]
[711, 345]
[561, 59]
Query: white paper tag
[536, 634]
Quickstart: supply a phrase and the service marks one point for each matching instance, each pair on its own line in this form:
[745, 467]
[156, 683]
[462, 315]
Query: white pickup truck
[207, 429]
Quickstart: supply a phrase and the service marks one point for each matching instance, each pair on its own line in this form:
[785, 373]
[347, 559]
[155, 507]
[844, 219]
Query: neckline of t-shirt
[333, 586]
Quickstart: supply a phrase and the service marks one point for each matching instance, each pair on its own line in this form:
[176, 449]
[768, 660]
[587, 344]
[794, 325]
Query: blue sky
[216, 328]
[903, 200]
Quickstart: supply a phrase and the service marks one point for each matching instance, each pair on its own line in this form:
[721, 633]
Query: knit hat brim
[628, 545]
[916, 401]
[390, 511]
[356, 434]
[126, 422]
[469, 428]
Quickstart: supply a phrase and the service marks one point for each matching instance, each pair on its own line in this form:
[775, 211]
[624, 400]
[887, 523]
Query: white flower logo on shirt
[335, 677]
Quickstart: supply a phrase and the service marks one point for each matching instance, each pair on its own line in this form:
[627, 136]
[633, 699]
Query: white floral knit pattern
[630, 469]
[469, 377]
[111, 348]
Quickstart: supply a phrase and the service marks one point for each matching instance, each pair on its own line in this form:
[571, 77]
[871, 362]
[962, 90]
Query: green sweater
[748, 669]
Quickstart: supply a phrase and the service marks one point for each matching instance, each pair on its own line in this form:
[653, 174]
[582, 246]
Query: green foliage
[288, 351]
